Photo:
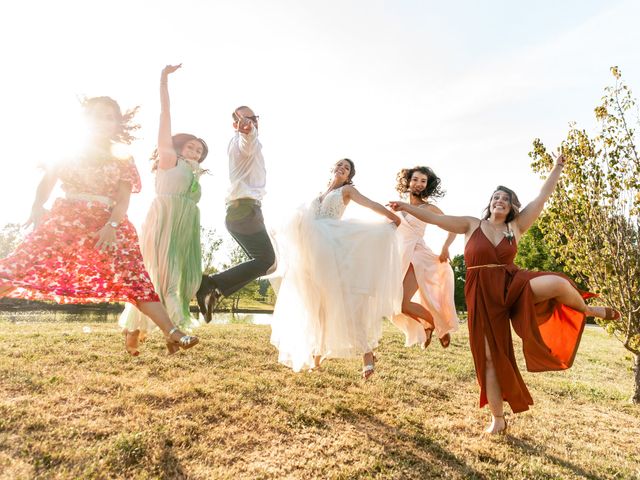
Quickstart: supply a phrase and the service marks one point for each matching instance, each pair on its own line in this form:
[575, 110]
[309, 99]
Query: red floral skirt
[58, 261]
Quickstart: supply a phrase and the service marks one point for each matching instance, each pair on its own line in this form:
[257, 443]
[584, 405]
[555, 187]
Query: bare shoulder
[348, 191]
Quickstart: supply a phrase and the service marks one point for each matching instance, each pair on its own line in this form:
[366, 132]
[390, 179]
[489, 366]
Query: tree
[592, 221]
[10, 237]
[534, 254]
[210, 243]
[459, 276]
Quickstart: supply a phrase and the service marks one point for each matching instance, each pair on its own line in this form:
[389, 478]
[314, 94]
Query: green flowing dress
[170, 245]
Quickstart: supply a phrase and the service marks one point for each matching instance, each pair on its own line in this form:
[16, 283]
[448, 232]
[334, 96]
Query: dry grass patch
[74, 405]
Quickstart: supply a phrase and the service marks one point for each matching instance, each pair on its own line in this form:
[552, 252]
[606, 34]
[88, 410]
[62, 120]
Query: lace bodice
[332, 206]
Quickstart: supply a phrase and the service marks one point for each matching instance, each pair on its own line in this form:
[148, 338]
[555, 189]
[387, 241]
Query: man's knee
[266, 260]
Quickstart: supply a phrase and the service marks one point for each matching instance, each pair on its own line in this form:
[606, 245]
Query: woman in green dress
[170, 239]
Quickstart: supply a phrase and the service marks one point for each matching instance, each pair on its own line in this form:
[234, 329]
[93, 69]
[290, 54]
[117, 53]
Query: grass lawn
[74, 405]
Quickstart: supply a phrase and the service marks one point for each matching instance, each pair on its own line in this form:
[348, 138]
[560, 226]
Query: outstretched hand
[170, 69]
[396, 205]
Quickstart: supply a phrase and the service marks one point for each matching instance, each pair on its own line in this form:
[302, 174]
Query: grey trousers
[245, 223]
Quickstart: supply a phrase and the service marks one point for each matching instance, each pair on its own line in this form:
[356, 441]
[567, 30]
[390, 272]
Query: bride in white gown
[341, 277]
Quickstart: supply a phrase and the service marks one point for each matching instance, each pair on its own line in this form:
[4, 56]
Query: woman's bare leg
[156, 312]
[413, 309]
[547, 287]
[5, 290]
[494, 393]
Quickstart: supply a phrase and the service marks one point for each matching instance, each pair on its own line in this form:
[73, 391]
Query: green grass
[74, 405]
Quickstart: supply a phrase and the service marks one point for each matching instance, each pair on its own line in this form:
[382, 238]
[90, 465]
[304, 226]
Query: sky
[463, 87]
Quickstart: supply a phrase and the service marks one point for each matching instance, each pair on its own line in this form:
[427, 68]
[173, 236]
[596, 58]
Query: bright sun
[64, 133]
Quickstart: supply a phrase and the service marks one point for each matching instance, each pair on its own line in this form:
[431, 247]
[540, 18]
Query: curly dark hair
[126, 127]
[514, 211]
[179, 140]
[433, 189]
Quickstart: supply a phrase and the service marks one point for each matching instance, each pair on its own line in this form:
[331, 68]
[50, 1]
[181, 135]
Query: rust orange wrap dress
[497, 291]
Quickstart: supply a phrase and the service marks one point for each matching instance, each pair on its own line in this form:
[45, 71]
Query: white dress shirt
[247, 174]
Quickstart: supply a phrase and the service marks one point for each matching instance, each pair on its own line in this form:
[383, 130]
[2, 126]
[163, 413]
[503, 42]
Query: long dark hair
[514, 211]
[179, 140]
[433, 188]
[125, 120]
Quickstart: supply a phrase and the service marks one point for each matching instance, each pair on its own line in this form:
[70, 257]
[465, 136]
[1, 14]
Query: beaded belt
[488, 265]
[87, 197]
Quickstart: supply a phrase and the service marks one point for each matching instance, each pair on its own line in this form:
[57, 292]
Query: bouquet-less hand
[106, 238]
[169, 69]
[444, 255]
[245, 125]
[559, 158]
[396, 205]
[36, 217]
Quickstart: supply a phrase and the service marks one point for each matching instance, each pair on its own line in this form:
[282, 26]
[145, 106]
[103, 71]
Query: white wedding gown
[340, 278]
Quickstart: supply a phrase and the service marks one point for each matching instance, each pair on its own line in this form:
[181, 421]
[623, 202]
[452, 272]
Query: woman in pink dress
[85, 249]
[428, 285]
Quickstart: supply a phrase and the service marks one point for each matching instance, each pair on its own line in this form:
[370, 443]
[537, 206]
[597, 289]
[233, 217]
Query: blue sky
[461, 86]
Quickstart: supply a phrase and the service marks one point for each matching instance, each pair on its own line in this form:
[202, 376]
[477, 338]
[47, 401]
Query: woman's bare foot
[316, 363]
[131, 340]
[498, 425]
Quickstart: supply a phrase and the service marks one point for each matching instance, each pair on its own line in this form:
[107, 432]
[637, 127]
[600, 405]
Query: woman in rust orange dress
[546, 309]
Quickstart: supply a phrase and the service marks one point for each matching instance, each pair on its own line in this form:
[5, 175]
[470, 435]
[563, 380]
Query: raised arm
[446, 222]
[248, 135]
[350, 193]
[167, 155]
[530, 213]
[42, 195]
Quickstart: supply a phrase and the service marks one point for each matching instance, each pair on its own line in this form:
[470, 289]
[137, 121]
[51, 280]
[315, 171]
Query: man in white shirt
[244, 219]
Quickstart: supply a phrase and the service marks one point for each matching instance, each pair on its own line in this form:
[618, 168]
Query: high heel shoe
[369, 368]
[185, 341]
[131, 340]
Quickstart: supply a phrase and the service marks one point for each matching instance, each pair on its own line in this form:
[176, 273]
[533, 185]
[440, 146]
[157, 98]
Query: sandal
[611, 314]
[429, 333]
[184, 342]
[131, 340]
[445, 341]
[369, 368]
[502, 431]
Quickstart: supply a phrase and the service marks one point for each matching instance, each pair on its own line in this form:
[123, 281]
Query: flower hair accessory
[509, 235]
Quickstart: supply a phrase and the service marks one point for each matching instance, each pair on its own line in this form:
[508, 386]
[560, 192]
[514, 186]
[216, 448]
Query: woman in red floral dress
[85, 249]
